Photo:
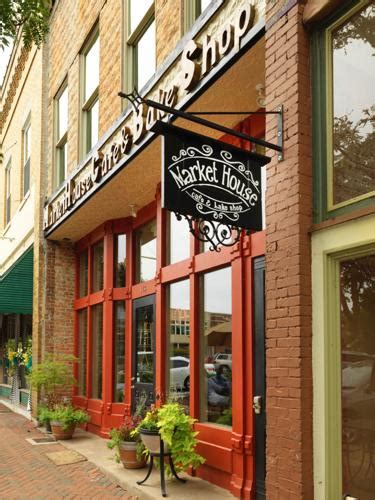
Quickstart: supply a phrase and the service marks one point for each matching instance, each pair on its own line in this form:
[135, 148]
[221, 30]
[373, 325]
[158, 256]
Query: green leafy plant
[52, 376]
[68, 416]
[30, 15]
[176, 430]
[44, 415]
[126, 433]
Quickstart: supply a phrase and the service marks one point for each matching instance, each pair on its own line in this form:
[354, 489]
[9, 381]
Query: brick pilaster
[288, 259]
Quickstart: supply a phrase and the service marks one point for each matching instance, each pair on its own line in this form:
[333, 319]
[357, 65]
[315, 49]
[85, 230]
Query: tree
[29, 15]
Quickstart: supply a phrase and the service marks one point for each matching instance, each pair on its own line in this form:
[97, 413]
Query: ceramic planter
[128, 455]
[151, 440]
[60, 433]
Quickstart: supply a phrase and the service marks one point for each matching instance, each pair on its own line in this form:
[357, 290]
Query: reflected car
[180, 372]
[223, 359]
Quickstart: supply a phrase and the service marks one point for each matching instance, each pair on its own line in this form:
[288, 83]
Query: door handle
[257, 404]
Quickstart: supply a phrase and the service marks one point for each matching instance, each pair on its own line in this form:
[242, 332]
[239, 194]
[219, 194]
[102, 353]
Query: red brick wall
[288, 260]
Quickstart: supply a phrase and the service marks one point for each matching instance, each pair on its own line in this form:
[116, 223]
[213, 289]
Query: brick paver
[26, 472]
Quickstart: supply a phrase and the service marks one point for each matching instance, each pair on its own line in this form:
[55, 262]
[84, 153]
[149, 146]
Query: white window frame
[60, 142]
[26, 160]
[87, 102]
[132, 39]
[8, 192]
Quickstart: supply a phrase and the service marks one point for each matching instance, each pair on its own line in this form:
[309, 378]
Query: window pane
[146, 252]
[82, 351]
[357, 318]
[93, 125]
[179, 239]
[203, 4]
[216, 338]
[27, 143]
[97, 351]
[354, 106]
[178, 342]
[92, 69]
[146, 56]
[97, 271]
[62, 154]
[83, 274]
[120, 260]
[119, 352]
[137, 11]
[62, 114]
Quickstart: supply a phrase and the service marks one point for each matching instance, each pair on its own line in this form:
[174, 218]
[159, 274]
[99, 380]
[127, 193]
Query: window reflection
[82, 351]
[354, 106]
[119, 352]
[137, 11]
[83, 273]
[179, 239]
[216, 341]
[146, 252]
[179, 342]
[120, 260]
[97, 273]
[97, 351]
[357, 318]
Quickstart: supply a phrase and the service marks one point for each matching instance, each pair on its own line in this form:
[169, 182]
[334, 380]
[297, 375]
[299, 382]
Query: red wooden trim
[212, 260]
[143, 289]
[194, 345]
[122, 226]
[121, 293]
[130, 269]
[75, 349]
[108, 321]
[179, 270]
[144, 215]
[160, 306]
[96, 298]
[81, 303]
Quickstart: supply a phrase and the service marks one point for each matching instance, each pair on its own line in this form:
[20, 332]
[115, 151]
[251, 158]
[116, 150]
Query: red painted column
[107, 361]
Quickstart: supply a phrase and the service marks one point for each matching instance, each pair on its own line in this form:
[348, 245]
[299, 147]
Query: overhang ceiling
[136, 183]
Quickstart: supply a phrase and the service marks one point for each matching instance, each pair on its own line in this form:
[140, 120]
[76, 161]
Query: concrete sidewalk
[98, 454]
[96, 451]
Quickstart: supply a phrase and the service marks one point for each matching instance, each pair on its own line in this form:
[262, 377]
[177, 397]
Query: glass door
[143, 376]
[357, 320]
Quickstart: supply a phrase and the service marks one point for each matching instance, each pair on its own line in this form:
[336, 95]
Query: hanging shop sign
[209, 179]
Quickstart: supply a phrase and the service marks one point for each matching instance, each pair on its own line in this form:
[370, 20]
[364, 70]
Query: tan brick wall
[168, 16]
[288, 261]
[21, 98]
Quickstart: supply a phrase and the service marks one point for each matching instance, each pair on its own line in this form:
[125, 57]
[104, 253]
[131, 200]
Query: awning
[16, 286]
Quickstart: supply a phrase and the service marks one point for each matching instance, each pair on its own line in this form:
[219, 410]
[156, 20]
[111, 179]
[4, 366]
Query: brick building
[21, 147]
[290, 307]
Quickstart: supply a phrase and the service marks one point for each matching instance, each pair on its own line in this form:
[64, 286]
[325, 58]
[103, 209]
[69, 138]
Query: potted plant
[44, 417]
[129, 447]
[64, 420]
[171, 424]
[52, 377]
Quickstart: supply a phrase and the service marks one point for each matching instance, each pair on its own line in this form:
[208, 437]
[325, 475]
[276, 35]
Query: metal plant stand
[161, 455]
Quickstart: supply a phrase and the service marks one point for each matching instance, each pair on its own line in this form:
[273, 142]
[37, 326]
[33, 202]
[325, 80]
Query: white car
[180, 372]
[223, 359]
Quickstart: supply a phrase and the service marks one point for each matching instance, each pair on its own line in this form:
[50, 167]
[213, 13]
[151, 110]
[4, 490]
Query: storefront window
[178, 239]
[119, 352]
[353, 90]
[97, 351]
[83, 273]
[146, 252]
[216, 347]
[178, 374]
[97, 271]
[357, 319]
[120, 260]
[82, 351]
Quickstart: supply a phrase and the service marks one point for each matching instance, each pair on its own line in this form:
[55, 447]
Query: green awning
[16, 286]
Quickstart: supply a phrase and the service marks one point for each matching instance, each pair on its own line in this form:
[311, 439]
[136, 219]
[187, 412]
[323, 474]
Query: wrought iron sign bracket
[135, 99]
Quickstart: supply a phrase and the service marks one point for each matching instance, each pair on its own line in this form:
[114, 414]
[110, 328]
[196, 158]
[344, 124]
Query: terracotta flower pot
[59, 432]
[128, 455]
[151, 440]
